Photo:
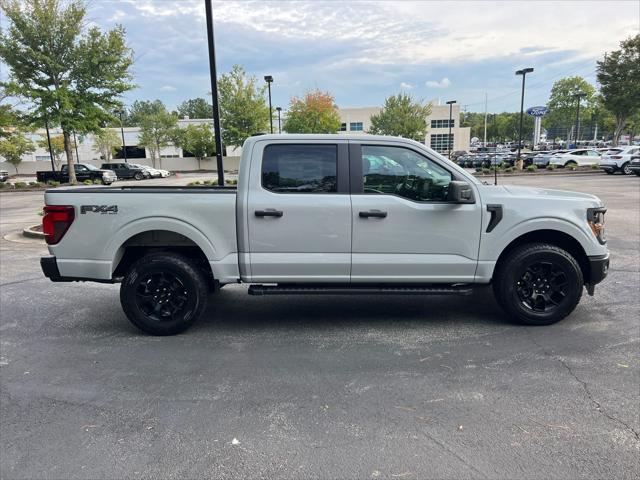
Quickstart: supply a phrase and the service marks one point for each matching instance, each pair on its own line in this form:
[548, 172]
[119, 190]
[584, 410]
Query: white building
[358, 120]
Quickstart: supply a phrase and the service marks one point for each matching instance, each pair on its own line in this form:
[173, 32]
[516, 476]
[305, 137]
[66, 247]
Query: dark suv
[126, 170]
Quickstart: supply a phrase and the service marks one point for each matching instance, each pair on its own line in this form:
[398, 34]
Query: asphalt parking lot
[321, 387]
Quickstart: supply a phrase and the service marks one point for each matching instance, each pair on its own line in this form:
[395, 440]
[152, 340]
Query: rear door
[299, 212]
[404, 230]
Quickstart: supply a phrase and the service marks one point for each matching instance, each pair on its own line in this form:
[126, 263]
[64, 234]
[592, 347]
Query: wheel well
[153, 241]
[553, 237]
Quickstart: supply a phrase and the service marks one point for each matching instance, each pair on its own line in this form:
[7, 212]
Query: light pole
[279, 109]
[578, 96]
[522, 72]
[214, 91]
[269, 80]
[124, 148]
[449, 141]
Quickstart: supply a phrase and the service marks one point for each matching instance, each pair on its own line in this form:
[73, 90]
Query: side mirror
[460, 192]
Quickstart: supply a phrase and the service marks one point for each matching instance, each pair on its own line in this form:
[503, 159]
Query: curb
[33, 232]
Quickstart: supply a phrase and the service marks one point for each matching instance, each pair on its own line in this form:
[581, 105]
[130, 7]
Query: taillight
[56, 221]
[616, 157]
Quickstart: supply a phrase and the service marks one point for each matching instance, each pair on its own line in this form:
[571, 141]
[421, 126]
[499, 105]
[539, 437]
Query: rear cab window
[300, 168]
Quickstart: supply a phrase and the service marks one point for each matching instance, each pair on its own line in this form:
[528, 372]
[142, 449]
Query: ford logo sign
[537, 111]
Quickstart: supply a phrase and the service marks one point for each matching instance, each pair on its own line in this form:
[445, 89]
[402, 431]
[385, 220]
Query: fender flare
[113, 250]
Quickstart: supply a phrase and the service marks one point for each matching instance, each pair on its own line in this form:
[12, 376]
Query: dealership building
[358, 121]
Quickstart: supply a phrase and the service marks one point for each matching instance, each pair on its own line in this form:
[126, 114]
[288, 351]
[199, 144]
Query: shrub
[231, 182]
[209, 182]
[36, 184]
[4, 185]
[478, 169]
[573, 168]
[97, 182]
[486, 170]
[532, 168]
[551, 167]
[510, 169]
[53, 183]
[595, 167]
[20, 185]
[88, 182]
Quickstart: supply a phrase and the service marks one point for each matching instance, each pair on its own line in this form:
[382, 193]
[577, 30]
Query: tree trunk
[620, 122]
[159, 161]
[68, 151]
[199, 167]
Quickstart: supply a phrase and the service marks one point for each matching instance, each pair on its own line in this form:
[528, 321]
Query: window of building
[300, 168]
[442, 123]
[42, 158]
[343, 127]
[403, 172]
[355, 126]
[439, 142]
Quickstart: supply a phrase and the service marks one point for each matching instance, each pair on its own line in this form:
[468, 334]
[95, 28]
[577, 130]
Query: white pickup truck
[329, 214]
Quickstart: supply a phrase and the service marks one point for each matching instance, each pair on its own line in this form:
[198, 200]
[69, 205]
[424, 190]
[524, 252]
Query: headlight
[595, 219]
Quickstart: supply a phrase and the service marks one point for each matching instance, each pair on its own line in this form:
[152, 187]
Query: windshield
[91, 167]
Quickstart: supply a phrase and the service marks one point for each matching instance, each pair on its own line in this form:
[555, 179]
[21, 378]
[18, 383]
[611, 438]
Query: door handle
[269, 212]
[374, 214]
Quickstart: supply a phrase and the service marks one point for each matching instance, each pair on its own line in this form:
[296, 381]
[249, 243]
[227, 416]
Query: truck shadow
[232, 309]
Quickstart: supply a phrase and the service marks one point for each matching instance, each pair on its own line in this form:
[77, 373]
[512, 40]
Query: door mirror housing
[460, 192]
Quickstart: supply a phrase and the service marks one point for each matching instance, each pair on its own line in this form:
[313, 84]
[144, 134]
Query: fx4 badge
[101, 209]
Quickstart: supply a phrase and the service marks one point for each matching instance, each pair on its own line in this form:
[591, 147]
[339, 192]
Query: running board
[359, 290]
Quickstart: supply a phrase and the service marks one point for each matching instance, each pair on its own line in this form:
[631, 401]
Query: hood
[533, 192]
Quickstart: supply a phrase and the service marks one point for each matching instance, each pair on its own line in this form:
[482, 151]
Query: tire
[625, 169]
[138, 176]
[609, 172]
[106, 183]
[151, 281]
[532, 300]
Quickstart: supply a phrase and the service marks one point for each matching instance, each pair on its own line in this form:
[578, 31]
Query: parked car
[619, 160]
[306, 218]
[634, 165]
[542, 158]
[125, 170]
[153, 173]
[84, 171]
[579, 157]
[4, 176]
[164, 173]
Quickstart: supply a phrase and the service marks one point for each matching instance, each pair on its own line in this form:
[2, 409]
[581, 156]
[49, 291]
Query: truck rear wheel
[538, 284]
[164, 293]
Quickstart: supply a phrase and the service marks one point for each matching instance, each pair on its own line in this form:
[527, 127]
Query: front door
[298, 213]
[404, 230]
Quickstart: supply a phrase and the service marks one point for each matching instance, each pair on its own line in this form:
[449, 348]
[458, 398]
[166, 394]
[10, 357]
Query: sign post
[537, 113]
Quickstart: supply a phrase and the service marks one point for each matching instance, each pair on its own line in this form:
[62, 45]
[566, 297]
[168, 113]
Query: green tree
[402, 116]
[14, 146]
[158, 130]
[140, 109]
[563, 103]
[57, 147]
[73, 75]
[198, 140]
[243, 107]
[105, 142]
[315, 113]
[619, 79]
[195, 108]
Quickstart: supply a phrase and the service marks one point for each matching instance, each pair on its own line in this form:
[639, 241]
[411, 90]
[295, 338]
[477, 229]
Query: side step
[360, 290]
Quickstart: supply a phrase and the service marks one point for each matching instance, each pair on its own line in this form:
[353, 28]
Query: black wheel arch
[552, 237]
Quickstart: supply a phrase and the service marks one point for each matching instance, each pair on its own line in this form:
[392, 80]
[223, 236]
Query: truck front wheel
[538, 284]
[164, 293]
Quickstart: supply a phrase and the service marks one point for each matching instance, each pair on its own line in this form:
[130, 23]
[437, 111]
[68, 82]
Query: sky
[362, 52]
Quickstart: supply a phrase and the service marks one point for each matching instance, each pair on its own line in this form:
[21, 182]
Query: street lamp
[449, 141]
[124, 148]
[522, 72]
[279, 109]
[213, 74]
[578, 96]
[269, 80]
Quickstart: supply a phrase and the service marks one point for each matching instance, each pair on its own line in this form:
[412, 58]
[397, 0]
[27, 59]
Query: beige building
[358, 120]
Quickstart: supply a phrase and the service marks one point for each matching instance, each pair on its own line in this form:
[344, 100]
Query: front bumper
[609, 167]
[598, 270]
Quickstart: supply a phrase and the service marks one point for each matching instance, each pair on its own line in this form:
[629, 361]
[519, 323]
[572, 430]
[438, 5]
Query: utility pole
[214, 91]
[449, 141]
[269, 80]
[578, 96]
[522, 72]
[485, 119]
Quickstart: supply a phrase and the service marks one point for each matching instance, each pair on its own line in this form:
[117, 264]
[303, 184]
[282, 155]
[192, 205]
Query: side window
[592, 153]
[403, 172]
[300, 168]
[80, 168]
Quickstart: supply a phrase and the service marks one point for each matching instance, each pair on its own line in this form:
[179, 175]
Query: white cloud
[444, 83]
[168, 88]
[406, 86]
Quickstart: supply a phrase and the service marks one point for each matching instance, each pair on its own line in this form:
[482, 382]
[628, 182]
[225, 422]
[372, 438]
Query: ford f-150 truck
[329, 214]
[84, 171]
